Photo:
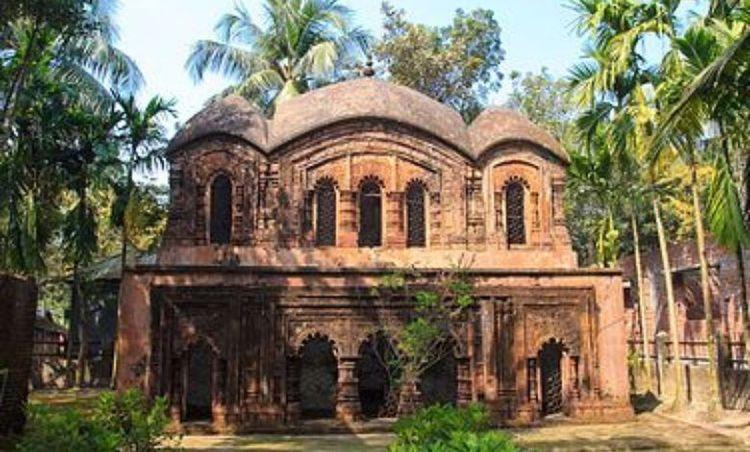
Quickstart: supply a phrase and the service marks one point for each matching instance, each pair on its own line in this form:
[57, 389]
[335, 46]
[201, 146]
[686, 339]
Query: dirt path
[647, 432]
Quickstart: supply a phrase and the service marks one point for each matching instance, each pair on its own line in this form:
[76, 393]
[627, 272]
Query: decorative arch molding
[195, 339]
[304, 335]
[209, 143]
[561, 324]
[378, 128]
[370, 178]
[515, 178]
[512, 149]
[326, 179]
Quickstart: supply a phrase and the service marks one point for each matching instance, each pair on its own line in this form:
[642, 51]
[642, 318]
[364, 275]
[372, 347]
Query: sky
[158, 34]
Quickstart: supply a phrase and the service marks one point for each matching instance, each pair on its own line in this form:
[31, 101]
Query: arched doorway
[375, 378]
[550, 358]
[198, 396]
[318, 378]
[439, 384]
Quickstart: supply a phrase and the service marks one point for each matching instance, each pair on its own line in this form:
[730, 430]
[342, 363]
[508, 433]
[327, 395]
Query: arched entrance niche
[318, 376]
[200, 381]
[439, 383]
[374, 377]
[551, 377]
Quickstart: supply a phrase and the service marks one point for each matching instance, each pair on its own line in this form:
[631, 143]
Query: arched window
[415, 215]
[370, 214]
[325, 213]
[514, 214]
[221, 210]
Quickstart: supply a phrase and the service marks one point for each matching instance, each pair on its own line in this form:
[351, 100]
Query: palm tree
[51, 60]
[711, 65]
[91, 157]
[144, 137]
[304, 44]
[611, 84]
[79, 50]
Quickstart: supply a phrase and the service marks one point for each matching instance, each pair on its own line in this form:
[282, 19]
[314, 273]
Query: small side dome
[232, 115]
[495, 126]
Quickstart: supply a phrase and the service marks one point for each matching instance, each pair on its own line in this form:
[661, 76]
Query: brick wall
[18, 298]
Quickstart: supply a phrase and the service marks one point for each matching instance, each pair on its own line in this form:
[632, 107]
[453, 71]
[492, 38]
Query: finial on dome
[368, 70]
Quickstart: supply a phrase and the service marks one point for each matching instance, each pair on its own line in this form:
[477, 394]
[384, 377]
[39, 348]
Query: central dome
[366, 98]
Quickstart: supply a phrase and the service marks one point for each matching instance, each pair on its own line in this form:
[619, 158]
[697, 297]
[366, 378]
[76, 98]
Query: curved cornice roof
[232, 115]
[495, 126]
[362, 98]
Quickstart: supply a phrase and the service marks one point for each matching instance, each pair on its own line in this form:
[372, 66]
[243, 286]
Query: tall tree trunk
[705, 290]
[123, 266]
[743, 301]
[739, 180]
[82, 337]
[641, 304]
[73, 321]
[679, 372]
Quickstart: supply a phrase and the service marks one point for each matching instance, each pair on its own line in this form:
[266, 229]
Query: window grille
[325, 214]
[221, 210]
[415, 215]
[370, 215]
[514, 208]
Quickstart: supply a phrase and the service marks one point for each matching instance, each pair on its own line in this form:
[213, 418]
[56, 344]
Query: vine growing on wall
[441, 304]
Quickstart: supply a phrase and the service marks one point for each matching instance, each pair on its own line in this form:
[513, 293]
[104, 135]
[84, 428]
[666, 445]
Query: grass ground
[83, 399]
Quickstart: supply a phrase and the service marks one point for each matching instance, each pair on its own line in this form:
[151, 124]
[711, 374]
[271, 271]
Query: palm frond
[724, 214]
[231, 61]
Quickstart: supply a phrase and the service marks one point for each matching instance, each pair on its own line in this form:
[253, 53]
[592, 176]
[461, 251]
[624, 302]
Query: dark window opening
[415, 215]
[514, 214]
[221, 210]
[325, 217]
[318, 378]
[439, 383]
[199, 391]
[370, 215]
[374, 377]
[550, 357]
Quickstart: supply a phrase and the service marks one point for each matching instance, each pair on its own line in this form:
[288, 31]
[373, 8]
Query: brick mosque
[259, 307]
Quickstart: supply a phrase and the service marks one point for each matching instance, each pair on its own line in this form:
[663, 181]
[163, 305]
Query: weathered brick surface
[18, 298]
[258, 300]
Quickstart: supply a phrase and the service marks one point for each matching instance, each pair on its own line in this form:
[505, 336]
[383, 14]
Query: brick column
[293, 407]
[347, 227]
[434, 218]
[348, 408]
[394, 220]
[463, 381]
[175, 393]
[410, 398]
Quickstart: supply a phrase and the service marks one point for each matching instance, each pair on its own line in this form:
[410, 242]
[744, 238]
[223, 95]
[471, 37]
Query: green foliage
[441, 303]
[547, 102]
[125, 422]
[138, 424]
[65, 430]
[443, 427]
[456, 64]
[306, 43]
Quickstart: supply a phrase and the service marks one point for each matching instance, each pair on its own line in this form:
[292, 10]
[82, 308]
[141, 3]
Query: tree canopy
[458, 64]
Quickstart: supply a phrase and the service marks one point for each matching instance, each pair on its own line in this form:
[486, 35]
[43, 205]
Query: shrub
[138, 423]
[126, 422]
[443, 427]
[65, 430]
